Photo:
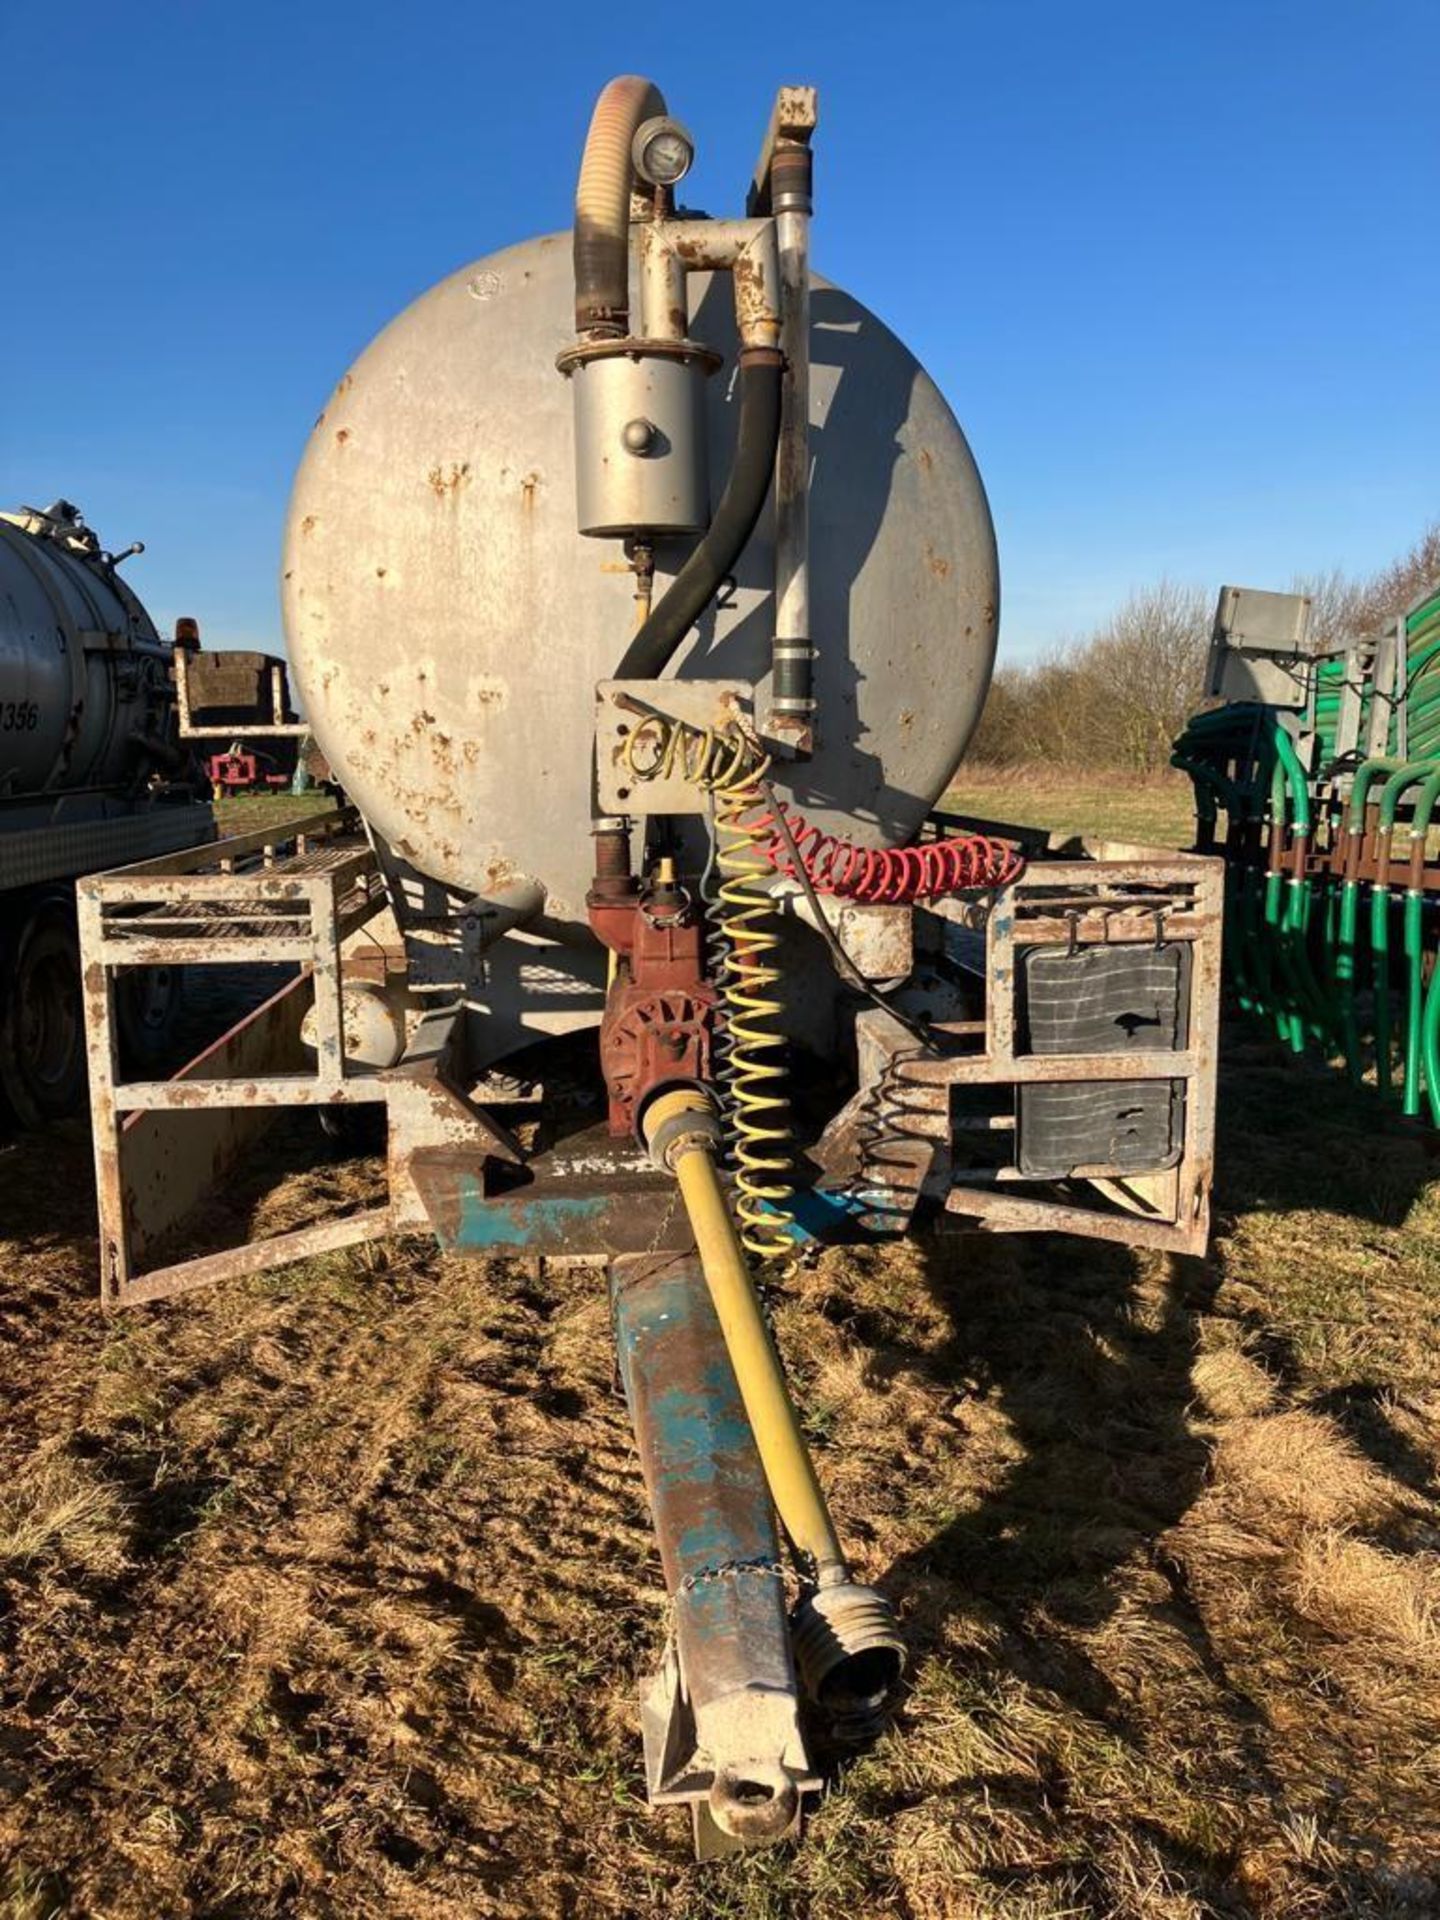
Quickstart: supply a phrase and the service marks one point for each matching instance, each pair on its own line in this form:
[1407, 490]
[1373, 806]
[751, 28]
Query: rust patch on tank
[307, 525]
[497, 873]
[926, 459]
[937, 563]
[446, 482]
[342, 434]
[527, 491]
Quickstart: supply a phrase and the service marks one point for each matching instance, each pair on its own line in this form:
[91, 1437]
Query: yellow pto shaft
[680, 1126]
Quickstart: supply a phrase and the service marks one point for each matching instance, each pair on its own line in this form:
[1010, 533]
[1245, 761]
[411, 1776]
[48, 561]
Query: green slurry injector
[1325, 765]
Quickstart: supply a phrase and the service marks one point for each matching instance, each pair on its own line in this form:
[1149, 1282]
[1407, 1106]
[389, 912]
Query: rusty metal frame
[161, 1146]
[270, 896]
[1109, 894]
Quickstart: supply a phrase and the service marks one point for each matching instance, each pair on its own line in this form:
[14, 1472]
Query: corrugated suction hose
[602, 203]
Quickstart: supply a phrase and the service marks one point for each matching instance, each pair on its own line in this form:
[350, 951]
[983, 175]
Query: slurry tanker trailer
[642, 594]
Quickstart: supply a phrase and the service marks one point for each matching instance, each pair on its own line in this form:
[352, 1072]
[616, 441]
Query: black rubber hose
[698, 581]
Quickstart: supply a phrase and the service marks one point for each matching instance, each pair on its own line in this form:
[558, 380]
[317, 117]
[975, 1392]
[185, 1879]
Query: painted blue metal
[713, 1517]
[544, 1218]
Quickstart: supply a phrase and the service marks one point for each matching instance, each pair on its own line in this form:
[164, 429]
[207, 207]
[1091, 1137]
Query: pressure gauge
[662, 151]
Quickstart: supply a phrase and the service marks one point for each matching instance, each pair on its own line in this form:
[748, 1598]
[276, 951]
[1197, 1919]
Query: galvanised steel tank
[447, 620]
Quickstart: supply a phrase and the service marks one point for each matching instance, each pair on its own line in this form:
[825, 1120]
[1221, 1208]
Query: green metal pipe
[1380, 904]
[1430, 1046]
[1415, 1058]
[1345, 952]
[1315, 1003]
[1414, 939]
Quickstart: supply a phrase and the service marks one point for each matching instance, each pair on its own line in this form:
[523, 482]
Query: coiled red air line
[891, 876]
[733, 767]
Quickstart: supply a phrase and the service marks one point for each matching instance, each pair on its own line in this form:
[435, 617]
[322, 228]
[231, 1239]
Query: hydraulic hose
[1214, 791]
[602, 204]
[699, 580]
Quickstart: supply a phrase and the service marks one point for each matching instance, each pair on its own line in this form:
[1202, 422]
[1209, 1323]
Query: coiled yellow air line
[730, 766]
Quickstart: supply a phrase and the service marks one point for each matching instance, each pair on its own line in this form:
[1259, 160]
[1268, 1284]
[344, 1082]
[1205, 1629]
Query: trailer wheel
[42, 1036]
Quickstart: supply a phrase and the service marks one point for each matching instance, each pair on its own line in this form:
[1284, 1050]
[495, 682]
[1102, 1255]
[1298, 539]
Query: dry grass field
[1152, 809]
[328, 1594]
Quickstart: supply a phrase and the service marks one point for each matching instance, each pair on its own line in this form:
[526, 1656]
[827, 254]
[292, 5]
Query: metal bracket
[793, 118]
[621, 710]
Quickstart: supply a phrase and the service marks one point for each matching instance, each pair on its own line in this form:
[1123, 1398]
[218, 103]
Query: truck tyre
[42, 1030]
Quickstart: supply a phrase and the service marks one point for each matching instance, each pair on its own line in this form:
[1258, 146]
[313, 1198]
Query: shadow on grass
[1087, 1351]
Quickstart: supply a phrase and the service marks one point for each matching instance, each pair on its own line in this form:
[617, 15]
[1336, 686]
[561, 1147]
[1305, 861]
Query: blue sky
[1175, 266]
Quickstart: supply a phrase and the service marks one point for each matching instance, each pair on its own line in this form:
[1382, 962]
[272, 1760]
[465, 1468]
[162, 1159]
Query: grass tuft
[58, 1512]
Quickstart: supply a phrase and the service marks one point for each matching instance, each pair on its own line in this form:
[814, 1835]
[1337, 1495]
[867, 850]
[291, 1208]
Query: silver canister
[640, 465]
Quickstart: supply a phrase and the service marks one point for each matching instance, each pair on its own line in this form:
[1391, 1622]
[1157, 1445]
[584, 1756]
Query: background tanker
[90, 769]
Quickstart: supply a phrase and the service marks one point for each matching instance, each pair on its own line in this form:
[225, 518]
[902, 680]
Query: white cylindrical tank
[447, 619]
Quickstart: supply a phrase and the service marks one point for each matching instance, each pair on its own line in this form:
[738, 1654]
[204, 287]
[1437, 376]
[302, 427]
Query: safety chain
[729, 1570]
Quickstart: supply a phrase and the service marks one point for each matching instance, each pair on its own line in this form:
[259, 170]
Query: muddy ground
[328, 1594]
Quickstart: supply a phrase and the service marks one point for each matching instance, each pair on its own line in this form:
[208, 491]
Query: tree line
[1117, 697]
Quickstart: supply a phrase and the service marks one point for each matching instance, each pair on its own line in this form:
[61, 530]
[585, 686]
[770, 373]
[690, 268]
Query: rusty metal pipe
[602, 204]
[748, 250]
